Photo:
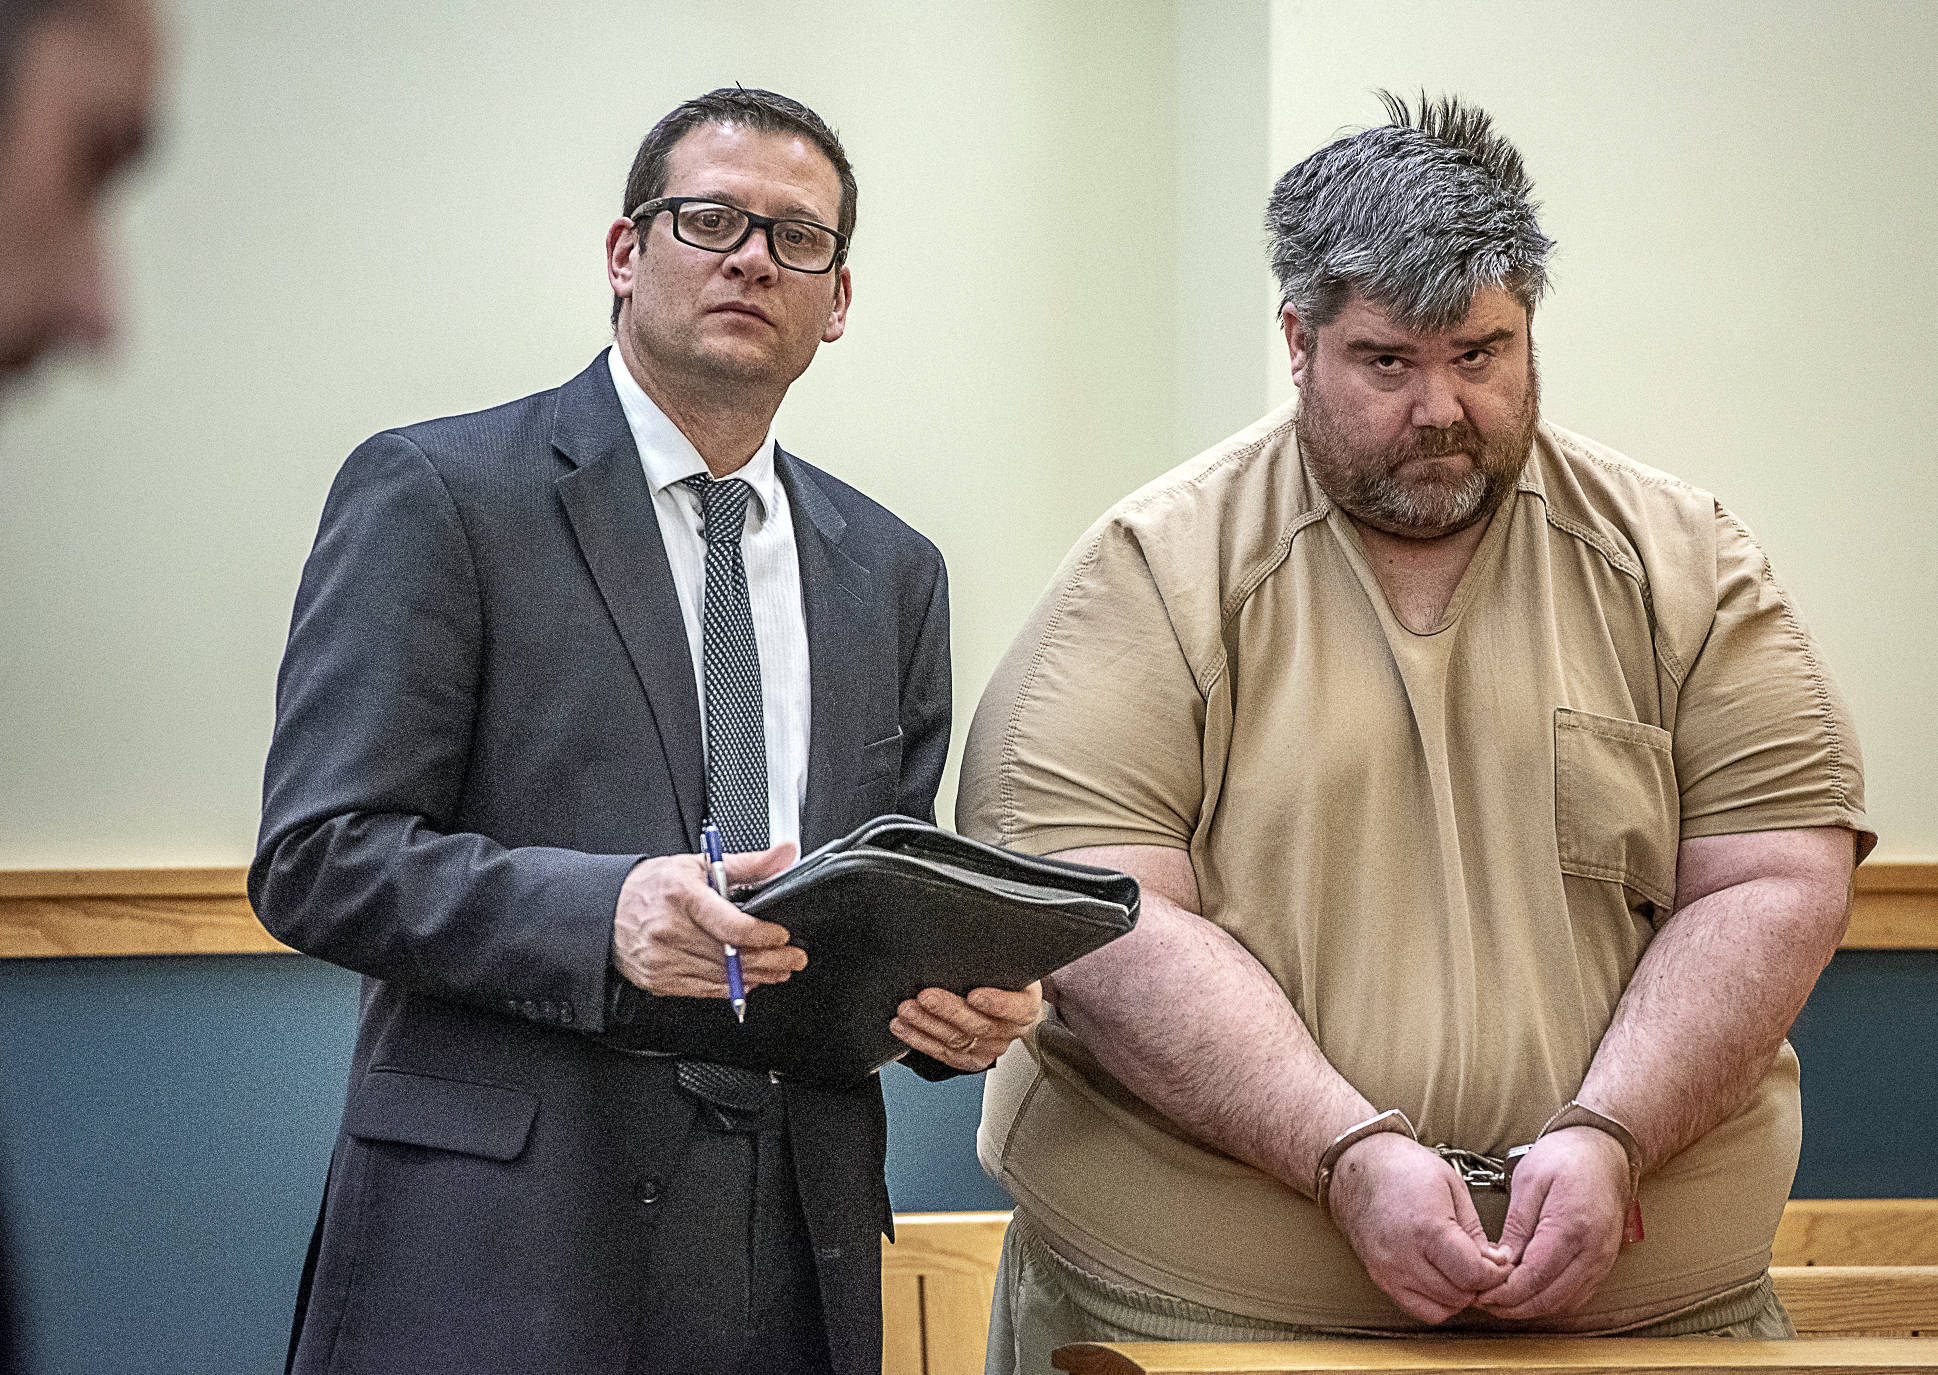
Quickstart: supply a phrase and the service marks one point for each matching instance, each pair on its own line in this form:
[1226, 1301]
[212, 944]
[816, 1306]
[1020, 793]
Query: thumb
[751, 866]
[1523, 1213]
[1468, 1220]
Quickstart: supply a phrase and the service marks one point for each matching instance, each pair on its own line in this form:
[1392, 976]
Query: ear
[1297, 344]
[621, 262]
[844, 292]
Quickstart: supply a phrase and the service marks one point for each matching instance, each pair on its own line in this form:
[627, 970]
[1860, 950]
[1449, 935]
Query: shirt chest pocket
[1616, 810]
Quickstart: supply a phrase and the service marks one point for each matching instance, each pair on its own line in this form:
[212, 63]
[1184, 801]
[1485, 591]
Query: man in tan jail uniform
[1487, 792]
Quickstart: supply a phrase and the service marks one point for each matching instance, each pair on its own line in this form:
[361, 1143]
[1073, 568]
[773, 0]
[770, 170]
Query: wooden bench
[1845, 1268]
[1505, 1356]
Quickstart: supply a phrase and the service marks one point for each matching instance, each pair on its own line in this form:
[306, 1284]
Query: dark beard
[1364, 486]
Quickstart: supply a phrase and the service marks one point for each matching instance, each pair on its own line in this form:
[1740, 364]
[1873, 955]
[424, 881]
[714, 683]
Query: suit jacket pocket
[882, 756]
[444, 1114]
[1616, 811]
[878, 782]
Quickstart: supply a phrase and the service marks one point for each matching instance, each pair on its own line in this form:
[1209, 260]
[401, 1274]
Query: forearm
[526, 931]
[1715, 994]
[1184, 1017]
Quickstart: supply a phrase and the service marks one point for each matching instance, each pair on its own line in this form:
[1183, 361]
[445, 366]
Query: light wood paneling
[52, 912]
[1506, 1355]
[1860, 1300]
[951, 1258]
[1845, 1268]
[122, 883]
[1858, 1231]
[203, 911]
[902, 1331]
[1894, 907]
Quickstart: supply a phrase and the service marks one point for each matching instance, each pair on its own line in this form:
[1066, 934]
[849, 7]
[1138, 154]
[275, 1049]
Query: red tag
[1632, 1229]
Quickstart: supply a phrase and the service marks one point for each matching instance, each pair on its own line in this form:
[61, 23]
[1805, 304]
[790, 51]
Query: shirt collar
[667, 455]
[1531, 479]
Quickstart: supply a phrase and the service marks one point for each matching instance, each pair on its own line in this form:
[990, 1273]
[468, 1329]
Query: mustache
[1458, 438]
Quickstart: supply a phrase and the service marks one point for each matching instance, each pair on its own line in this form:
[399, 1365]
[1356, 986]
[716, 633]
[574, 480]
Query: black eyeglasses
[798, 245]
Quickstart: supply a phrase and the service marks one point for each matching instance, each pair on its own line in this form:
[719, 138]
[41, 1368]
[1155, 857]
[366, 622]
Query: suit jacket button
[648, 1190]
[565, 1013]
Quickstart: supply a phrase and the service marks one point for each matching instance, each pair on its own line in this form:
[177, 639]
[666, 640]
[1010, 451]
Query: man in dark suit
[533, 649]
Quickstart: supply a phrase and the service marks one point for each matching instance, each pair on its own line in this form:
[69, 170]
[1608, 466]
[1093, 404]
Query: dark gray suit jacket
[485, 717]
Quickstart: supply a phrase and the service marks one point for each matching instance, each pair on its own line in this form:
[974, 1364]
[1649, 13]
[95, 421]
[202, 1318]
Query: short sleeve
[1763, 738]
[1091, 731]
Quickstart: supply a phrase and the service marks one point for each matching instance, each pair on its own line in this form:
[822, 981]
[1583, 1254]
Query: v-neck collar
[1477, 574]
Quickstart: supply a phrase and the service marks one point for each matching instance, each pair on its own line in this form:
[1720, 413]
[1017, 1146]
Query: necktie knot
[723, 503]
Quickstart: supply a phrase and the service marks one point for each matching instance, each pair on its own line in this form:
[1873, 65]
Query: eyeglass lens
[799, 244]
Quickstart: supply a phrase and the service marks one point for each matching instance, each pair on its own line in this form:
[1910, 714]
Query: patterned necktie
[736, 748]
[736, 740]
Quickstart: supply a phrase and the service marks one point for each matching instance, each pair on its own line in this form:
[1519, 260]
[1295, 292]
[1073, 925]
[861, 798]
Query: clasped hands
[670, 926]
[1411, 1221]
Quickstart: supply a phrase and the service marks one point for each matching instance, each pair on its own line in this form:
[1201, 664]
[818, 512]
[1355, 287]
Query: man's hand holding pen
[670, 929]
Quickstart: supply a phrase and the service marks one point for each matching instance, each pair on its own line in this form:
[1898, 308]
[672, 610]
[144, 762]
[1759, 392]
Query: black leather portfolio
[883, 913]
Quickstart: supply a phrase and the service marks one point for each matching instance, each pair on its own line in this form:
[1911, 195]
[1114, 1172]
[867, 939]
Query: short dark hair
[756, 109]
[1414, 215]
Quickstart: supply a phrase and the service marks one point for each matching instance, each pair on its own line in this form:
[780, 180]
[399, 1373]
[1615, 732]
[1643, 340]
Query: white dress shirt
[773, 587]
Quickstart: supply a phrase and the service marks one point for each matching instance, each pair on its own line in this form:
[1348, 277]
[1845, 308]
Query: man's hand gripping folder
[893, 908]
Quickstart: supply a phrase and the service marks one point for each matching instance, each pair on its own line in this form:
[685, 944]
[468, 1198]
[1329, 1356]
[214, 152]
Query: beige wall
[366, 215]
[1745, 290]
[361, 217]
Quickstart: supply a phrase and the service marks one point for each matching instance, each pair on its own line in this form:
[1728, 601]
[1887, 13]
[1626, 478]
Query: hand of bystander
[967, 1033]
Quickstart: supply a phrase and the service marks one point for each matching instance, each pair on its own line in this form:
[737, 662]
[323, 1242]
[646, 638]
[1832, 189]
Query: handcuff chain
[1476, 1171]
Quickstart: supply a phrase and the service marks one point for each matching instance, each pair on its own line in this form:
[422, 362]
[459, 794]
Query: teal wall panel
[167, 1123]
[1867, 1040]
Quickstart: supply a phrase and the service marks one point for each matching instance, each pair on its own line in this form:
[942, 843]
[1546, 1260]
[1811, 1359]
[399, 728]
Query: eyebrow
[1377, 347]
[1498, 336]
[789, 210]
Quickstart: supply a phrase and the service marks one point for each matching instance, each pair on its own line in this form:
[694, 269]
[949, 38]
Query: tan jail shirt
[1449, 849]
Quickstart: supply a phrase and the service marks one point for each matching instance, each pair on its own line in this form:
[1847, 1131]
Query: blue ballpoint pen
[716, 858]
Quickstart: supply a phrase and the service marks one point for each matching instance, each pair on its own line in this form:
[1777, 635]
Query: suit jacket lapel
[611, 510]
[837, 594]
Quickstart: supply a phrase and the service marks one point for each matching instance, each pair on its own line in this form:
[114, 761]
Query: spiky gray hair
[1414, 215]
